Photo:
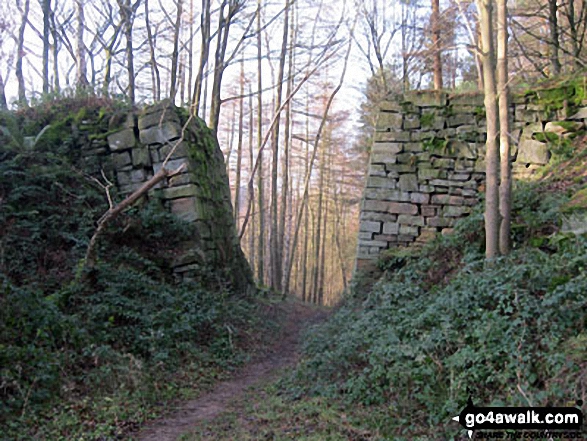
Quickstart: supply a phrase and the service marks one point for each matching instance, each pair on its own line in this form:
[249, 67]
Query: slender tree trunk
[555, 64]
[82, 74]
[190, 67]
[492, 152]
[204, 54]
[155, 76]
[219, 59]
[175, 53]
[3, 103]
[20, 54]
[285, 186]
[436, 46]
[251, 167]
[239, 149]
[274, 239]
[46, 6]
[260, 184]
[54, 35]
[505, 185]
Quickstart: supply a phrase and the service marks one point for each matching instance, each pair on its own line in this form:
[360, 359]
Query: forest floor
[246, 384]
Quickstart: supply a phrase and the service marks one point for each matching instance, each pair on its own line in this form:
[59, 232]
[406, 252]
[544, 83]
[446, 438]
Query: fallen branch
[126, 203]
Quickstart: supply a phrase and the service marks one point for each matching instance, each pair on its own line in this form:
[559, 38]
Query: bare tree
[24, 13]
[505, 184]
[492, 152]
[175, 53]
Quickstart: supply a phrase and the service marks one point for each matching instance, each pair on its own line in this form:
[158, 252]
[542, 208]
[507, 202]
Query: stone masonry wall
[133, 150]
[427, 164]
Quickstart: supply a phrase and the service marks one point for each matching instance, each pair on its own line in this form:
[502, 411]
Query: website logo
[545, 419]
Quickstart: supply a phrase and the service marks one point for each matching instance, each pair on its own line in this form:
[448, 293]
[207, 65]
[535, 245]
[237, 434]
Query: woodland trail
[282, 353]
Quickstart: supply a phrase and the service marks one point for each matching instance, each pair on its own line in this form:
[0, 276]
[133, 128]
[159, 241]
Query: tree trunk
[204, 54]
[54, 34]
[505, 185]
[82, 74]
[20, 54]
[155, 76]
[492, 153]
[260, 184]
[436, 47]
[252, 198]
[46, 6]
[3, 103]
[274, 242]
[175, 53]
[555, 64]
[239, 148]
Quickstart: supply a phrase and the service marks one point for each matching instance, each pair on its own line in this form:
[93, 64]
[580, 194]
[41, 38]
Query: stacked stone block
[135, 147]
[427, 165]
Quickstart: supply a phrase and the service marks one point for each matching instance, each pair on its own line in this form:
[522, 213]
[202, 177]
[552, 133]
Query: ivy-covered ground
[399, 361]
[92, 353]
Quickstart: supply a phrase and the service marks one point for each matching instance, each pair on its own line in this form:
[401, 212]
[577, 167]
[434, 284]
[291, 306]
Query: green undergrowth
[443, 324]
[91, 353]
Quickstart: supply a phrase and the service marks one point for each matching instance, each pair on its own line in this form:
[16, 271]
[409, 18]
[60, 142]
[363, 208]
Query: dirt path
[283, 353]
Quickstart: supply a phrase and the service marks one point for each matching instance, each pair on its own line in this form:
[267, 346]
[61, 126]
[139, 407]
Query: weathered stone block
[121, 160]
[446, 183]
[158, 118]
[182, 191]
[414, 147]
[173, 164]
[383, 158]
[440, 222]
[533, 152]
[387, 147]
[411, 122]
[380, 182]
[408, 230]
[447, 163]
[444, 199]
[404, 219]
[179, 150]
[466, 99]
[385, 237]
[184, 208]
[461, 120]
[425, 188]
[370, 226]
[405, 168]
[419, 198]
[562, 127]
[427, 98]
[421, 135]
[428, 211]
[406, 158]
[160, 134]
[459, 176]
[364, 235]
[122, 140]
[390, 228]
[581, 114]
[408, 182]
[455, 211]
[391, 120]
[373, 244]
[427, 234]
[431, 173]
[392, 136]
[377, 170]
[141, 156]
[380, 217]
